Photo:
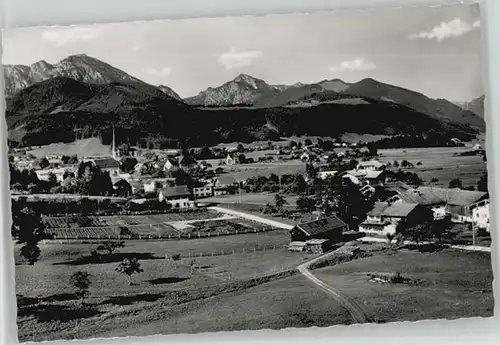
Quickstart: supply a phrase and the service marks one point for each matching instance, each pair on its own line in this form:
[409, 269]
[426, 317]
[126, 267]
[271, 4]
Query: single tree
[129, 267]
[305, 204]
[52, 179]
[81, 281]
[128, 164]
[27, 227]
[111, 246]
[240, 148]
[44, 163]
[307, 142]
[242, 158]
[482, 184]
[279, 201]
[389, 237]
[372, 150]
[455, 183]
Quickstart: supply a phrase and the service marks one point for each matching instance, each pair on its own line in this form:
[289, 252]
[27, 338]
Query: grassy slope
[455, 284]
[289, 302]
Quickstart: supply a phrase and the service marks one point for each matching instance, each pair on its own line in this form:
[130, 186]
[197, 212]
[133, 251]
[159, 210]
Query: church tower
[115, 154]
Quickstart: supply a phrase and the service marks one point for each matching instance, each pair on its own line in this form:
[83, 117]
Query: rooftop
[378, 209]
[375, 163]
[175, 191]
[321, 225]
[399, 209]
[106, 163]
[226, 179]
[436, 195]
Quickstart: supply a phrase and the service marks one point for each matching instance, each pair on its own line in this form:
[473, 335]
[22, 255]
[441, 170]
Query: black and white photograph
[248, 172]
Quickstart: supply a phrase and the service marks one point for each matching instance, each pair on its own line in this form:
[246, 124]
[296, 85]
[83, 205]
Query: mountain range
[45, 102]
[80, 67]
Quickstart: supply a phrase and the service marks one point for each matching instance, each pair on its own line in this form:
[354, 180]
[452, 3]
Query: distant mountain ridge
[80, 67]
[86, 92]
[248, 90]
[437, 108]
[49, 111]
[476, 106]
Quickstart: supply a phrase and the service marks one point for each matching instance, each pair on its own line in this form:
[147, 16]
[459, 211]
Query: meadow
[171, 299]
[449, 284]
[440, 163]
[207, 268]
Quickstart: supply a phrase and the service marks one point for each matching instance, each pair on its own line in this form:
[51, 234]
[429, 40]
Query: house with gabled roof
[109, 165]
[177, 196]
[456, 202]
[372, 164]
[223, 184]
[330, 228]
[170, 164]
[385, 217]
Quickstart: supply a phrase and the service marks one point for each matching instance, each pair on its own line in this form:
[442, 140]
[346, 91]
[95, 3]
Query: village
[182, 180]
[211, 217]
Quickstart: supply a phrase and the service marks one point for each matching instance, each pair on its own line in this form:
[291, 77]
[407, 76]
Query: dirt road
[357, 313]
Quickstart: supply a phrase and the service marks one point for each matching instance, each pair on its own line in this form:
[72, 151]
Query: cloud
[353, 65]
[232, 58]
[454, 28]
[165, 71]
[63, 36]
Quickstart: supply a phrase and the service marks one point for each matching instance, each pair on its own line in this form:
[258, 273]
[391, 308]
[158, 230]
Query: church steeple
[113, 146]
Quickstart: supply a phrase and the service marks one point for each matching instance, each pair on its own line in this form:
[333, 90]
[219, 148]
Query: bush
[396, 278]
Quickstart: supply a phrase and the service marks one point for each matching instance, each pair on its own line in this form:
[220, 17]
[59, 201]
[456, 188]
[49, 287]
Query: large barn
[329, 228]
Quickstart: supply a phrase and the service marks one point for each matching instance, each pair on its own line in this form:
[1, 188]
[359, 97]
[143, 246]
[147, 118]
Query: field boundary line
[255, 218]
[454, 246]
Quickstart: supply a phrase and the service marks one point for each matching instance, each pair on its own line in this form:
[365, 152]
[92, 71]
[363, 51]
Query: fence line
[182, 257]
[165, 236]
[223, 273]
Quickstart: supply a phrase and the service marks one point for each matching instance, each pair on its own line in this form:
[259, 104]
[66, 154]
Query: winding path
[357, 313]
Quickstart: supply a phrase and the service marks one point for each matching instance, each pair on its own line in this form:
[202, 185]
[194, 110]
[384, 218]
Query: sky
[432, 50]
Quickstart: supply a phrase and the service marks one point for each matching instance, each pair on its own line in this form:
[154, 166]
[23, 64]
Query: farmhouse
[371, 165]
[187, 162]
[385, 217]
[477, 147]
[481, 214]
[366, 176]
[108, 165]
[458, 203]
[136, 186]
[330, 228]
[44, 175]
[367, 190]
[170, 164]
[178, 196]
[323, 174]
[153, 185]
[223, 184]
[204, 191]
